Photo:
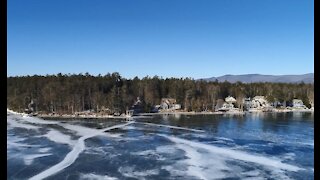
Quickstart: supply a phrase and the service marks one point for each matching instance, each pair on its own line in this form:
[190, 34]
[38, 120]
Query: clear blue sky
[179, 38]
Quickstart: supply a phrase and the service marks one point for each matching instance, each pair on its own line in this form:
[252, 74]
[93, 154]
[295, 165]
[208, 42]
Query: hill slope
[248, 78]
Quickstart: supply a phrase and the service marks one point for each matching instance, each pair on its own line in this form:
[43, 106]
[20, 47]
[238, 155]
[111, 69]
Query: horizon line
[151, 76]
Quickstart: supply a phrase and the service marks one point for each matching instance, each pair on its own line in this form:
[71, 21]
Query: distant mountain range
[250, 78]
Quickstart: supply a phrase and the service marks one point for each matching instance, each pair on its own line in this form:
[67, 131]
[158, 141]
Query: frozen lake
[254, 146]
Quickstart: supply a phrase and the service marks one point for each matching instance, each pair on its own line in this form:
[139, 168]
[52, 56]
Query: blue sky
[168, 38]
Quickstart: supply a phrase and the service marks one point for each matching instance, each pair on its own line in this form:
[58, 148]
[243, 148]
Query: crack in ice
[74, 153]
[234, 154]
[172, 127]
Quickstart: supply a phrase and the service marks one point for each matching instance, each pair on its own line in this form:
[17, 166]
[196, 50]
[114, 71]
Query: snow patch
[28, 159]
[58, 137]
[9, 111]
[129, 128]
[44, 150]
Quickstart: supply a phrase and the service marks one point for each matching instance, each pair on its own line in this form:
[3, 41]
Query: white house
[169, 104]
[259, 102]
[228, 104]
[230, 99]
[297, 103]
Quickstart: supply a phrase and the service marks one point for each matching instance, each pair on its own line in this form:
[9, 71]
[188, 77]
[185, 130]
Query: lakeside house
[136, 108]
[169, 104]
[129, 113]
[228, 105]
[258, 103]
[31, 109]
[298, 104]
[230, 100]
[156, 108]
[276, 104]
[247, 103]
[86, 113]
[104, 111]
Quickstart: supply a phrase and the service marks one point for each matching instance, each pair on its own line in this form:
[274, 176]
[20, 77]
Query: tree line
[69, 93]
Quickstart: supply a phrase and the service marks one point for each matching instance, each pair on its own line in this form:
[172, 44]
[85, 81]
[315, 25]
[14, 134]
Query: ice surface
[13, 123]
[308, 143]
[58, 137]
[148, 154]
[172, 127]
[13, 112]
[133, 173]
[85, 131]
[234, 154]
[43, 150]
[67, 161]
[203, 161]
[97, 150]
[220, 157]
[224, 139]
[81, 130]
[15, 144]
[168, 149]
[199, 165]
[74, 154]
[28, 159]
[254, 173]
[129, 128]
[26, 118]
[36, 120]
[92, 176]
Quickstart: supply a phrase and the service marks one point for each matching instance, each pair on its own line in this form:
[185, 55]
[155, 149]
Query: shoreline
[149, 115]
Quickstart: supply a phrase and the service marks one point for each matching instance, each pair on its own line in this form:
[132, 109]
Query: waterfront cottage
[297, 103]
[155, 108]
[137, 107]
[247, 103]
[31, 108]
[259, 102]
[169, 104]
[230, 100]
[228, 105]
[104, 111]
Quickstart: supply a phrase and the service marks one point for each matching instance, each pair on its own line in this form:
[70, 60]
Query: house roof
[230, 99]
[258, 97]
[296, 100]
[168, 100]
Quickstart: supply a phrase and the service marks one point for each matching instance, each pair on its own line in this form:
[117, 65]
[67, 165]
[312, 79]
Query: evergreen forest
[69, 93]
